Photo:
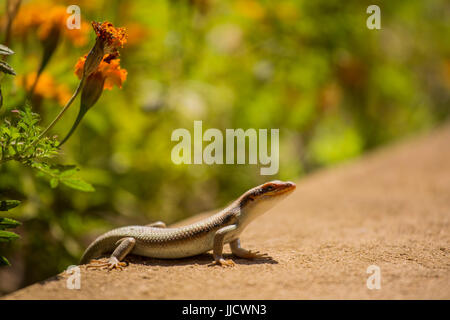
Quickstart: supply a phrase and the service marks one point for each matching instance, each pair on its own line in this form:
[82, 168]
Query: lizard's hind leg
[124, 247]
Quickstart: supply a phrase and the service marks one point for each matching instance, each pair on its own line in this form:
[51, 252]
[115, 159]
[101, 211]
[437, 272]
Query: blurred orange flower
[43, 18]
[136, 34]
[108, 70]
[46, 87]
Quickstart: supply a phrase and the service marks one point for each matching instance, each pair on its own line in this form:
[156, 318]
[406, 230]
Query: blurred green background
[334, 88]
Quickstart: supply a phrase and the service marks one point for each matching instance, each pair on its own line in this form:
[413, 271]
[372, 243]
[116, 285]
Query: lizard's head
[261, 198]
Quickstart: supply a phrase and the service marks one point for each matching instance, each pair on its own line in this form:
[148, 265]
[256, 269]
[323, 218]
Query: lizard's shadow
[202, 259]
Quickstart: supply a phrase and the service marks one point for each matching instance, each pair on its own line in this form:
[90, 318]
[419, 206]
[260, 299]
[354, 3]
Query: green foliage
[6, 68]
[334, 142]
[17, 137]
[8, 141]
[6, 205]
[6, 236]
[7, 223]
[65, 174]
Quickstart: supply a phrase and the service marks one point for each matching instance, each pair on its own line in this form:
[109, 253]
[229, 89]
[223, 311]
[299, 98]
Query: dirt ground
[390, 208]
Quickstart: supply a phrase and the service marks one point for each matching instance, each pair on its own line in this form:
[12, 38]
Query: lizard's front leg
[218, 246]
[124, 247]
[236, 249]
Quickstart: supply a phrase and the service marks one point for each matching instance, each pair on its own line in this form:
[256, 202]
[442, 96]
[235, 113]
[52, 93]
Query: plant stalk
[52, 124]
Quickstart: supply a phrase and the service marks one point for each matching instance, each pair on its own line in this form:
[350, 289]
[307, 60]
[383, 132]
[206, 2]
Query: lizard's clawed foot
[223, 263]
[256, 255]
[110, 264]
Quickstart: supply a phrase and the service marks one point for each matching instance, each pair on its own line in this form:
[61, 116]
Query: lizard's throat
[255, 209]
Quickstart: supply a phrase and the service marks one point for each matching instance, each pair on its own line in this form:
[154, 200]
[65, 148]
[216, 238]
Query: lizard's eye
[269, 188]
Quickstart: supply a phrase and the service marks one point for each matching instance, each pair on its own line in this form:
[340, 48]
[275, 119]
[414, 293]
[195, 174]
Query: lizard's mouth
[285, 188]
[289, 187]
[270, 190]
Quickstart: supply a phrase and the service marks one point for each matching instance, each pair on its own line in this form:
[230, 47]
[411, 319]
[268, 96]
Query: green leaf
[4, 50]
[11, 150]
[6, 68]
[4, 261]
[6, 205]
[6, 236]
[68, 173]
[54, 183]
[6, 223]
[78, 184]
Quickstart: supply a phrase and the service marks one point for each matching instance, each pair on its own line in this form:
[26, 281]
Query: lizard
[158, 241]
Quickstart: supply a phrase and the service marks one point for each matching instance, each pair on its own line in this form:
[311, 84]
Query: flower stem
[52, 124]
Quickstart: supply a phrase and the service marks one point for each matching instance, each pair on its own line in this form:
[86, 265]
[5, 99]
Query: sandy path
[390, 209]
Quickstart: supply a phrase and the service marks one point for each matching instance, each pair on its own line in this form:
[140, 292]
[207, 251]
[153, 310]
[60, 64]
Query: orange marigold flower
[108, 41]
[109, 70]
[101, 75]
[46, 87]
[100, 68]
[112, 37]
